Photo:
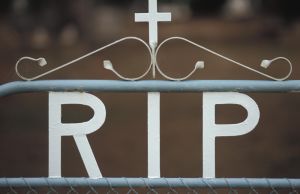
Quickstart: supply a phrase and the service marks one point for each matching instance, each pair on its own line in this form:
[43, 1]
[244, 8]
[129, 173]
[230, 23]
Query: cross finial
[152, 17]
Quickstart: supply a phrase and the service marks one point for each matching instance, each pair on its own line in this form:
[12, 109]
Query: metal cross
[152, 17]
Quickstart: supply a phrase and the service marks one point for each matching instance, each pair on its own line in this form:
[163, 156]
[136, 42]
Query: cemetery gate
[214, 92]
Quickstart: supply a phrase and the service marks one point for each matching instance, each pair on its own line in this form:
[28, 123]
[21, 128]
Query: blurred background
[245, 30]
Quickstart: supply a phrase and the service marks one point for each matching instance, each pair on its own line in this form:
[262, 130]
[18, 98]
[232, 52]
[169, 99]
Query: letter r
[57, 129]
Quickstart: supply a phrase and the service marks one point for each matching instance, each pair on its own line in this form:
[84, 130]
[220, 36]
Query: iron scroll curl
[106, 63]
[153, 52]
[200, 64]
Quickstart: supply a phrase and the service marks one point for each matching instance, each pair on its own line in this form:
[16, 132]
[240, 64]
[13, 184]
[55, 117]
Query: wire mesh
[145, 185]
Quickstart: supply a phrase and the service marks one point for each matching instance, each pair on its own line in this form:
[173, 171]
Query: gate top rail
[150, 86]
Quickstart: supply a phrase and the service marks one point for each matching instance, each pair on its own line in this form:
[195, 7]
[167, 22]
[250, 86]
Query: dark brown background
[64, 31]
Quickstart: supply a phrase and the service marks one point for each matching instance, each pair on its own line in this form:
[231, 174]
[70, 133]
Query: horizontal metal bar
[150, 86]
[152, 182]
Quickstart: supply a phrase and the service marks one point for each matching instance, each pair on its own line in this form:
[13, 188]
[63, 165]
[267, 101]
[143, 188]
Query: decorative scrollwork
[153, 62]
[42, 61]
[200, 64]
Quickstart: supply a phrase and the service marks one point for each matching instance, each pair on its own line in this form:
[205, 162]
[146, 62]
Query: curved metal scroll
[200, 64]
[42, 62]
[153, 62]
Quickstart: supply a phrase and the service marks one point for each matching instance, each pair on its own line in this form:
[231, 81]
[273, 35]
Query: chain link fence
[146, 185]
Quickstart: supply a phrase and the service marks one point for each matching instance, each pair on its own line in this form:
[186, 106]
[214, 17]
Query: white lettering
[57, 129]
[211, 130]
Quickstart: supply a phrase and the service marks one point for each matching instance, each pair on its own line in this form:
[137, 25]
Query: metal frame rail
[153, 182]
[150, 86]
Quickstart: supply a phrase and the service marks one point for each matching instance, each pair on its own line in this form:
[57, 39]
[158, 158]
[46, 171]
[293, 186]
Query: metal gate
[149, 185]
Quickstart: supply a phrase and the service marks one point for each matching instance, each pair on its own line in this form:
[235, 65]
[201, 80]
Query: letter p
[211, 130]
